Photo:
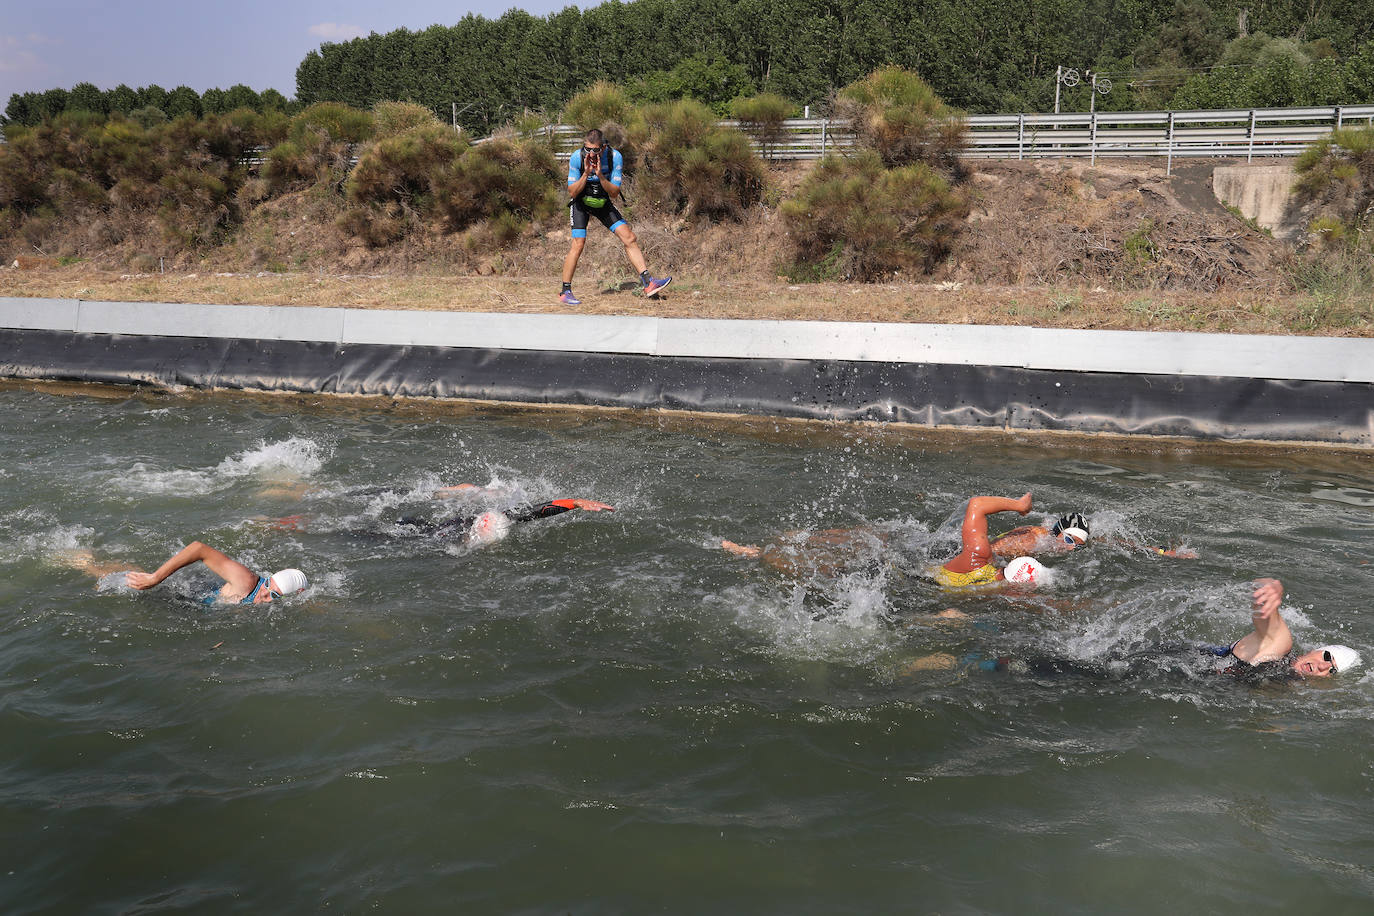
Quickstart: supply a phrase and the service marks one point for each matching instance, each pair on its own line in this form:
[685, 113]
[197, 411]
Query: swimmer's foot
[740, 550]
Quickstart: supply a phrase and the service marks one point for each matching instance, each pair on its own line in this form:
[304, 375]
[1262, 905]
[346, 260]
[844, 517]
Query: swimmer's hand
[1024, 504]
[1267, 596]
[141, 580]
[1179, 553]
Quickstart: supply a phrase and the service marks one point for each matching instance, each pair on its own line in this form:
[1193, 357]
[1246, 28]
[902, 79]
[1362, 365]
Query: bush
[335, 121]
[403, 167]
[196, 205]
[870, 221]
[762, 117]
[502, 179]
[688, 164]
[598, 105]
[896, 114]
[318, 145]
[392, 118]
[1336, 181]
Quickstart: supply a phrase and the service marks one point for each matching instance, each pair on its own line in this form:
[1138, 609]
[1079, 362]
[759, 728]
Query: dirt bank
[1049, 243]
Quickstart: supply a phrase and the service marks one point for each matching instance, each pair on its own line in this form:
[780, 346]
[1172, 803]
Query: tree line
[980, 56]
[147, 104]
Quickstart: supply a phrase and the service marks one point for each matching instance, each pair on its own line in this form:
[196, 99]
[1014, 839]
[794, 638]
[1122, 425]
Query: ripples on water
[606, 713]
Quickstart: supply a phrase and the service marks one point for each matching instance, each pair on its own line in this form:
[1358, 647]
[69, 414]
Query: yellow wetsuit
[950, 579]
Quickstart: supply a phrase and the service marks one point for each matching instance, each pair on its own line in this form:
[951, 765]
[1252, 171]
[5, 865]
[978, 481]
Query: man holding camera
[593, 185]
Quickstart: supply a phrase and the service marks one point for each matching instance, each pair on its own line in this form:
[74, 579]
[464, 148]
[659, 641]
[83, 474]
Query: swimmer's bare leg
[741, 550]
[977, 550]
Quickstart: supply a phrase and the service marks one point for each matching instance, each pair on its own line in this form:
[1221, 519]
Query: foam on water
[283, 463]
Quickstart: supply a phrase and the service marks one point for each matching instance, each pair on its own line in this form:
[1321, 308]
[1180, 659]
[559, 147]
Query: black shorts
[578, 212]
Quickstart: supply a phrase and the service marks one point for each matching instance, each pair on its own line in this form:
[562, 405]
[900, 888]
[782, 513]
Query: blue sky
[58, 43]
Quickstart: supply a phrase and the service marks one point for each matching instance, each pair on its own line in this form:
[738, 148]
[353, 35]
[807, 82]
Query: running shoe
[655, 285]
[567, 298]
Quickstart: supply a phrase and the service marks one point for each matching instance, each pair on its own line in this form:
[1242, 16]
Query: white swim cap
[289, 581]
[1024, 569]
[488, 528]
[1343, 658]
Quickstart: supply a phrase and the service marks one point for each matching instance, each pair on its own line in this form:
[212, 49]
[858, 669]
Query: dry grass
[1254, 312]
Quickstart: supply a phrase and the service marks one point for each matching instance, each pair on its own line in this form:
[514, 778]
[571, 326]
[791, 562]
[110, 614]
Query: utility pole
[1066, 76]
[1099, 87]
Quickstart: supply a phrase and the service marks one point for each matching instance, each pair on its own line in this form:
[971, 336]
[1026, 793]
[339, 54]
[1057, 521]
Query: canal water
[606, 713]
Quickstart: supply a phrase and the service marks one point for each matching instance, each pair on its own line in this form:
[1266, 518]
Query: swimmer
[973, 565]
[491, 526]
[1067, 532]
[1264, 654]
[241, 584]
[1267, 650]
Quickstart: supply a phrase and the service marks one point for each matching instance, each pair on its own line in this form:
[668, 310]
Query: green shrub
[502, 177]
[336, 121]
[896, 114]
[403, 167]
[687, 163]
[871, 221]
[316, 146]
[196, 205]
[392, 118]
[1139, 247]
[1335, 180]
[69, 191]
[762, 117]
[598, 105]
[376, 224]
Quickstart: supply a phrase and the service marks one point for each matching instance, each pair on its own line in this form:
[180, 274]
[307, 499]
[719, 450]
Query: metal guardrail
[1170, 134]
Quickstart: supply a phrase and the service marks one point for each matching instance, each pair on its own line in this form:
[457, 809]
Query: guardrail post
[1020, 134]
[1339, 122]
[1169, 142]
[1250, 152]
[824, 122]
[1092, 136]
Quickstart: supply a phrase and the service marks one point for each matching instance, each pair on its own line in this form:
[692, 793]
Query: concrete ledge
[1168, 353]
[1199, 385]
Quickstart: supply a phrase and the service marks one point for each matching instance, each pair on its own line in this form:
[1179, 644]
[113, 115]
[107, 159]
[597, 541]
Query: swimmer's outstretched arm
[1271, 638]
[1178, 553]
[226, 567]
[556, 507]
[459, 489]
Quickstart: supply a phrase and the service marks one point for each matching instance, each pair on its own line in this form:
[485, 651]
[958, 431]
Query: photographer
[593, 185]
